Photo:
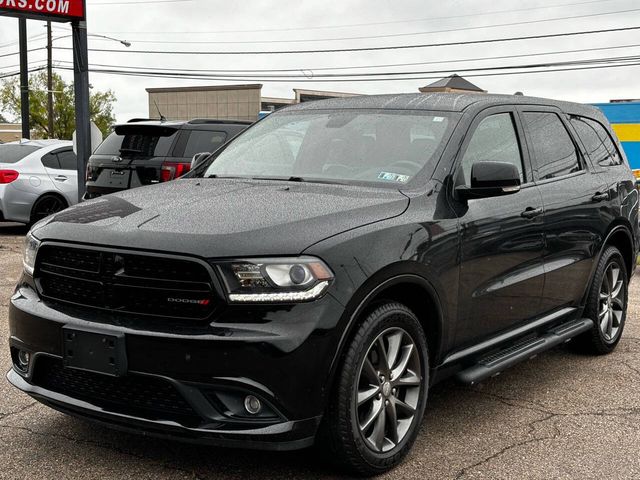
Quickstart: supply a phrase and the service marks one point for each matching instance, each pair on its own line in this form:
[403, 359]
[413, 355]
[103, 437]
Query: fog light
[252, 404]
[24, 358]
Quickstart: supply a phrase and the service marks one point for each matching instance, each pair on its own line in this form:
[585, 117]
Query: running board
[494, 364]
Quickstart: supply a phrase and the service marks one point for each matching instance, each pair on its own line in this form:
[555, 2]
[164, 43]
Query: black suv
[144, 152]
[313, 278]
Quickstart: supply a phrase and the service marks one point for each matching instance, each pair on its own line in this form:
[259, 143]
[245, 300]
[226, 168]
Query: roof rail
[200, 121]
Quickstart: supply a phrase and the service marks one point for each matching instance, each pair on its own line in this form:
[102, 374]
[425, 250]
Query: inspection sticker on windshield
[393, 177]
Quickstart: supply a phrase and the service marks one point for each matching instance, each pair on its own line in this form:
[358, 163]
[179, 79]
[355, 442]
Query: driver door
[502, 238]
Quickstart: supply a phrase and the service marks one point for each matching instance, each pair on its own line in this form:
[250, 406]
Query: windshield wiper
[130, 150]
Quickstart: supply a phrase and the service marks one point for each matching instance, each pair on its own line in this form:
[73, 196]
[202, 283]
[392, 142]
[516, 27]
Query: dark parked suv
[312, 279]
[146, 152]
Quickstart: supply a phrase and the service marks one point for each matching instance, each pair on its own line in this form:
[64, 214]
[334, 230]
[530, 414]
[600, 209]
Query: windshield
[340, 146]
[14, 153]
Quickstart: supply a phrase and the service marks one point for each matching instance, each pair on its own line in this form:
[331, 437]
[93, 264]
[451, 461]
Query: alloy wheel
[389, 390]
[47, 206]
[611, 302]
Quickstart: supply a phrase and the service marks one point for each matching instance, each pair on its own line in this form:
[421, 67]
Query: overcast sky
[145, 23]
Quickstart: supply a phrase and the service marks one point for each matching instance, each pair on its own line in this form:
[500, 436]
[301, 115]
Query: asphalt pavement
[560, 415]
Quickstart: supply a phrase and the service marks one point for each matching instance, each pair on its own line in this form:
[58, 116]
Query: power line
[348, 76]
[361, 49]
[390, 35]
[371, 24]
[491, 74]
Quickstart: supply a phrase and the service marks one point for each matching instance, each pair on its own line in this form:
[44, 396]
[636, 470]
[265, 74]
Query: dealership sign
[54, 10]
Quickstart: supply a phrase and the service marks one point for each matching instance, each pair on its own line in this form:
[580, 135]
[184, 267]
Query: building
[624, 116]
[228, 102]
[452, 84]
[10, 132]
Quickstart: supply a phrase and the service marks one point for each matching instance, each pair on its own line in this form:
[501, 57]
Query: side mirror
[491, 179]
[198, 158]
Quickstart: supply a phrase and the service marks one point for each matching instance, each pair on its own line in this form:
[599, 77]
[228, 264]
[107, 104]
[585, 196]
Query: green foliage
[100, 106]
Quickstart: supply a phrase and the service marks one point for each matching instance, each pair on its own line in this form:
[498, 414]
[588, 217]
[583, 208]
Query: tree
[100, 105]
[2, 119]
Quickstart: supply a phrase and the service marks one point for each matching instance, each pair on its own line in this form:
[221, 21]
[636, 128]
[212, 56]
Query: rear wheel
[606, 305]
[46, 205]
[378, 405]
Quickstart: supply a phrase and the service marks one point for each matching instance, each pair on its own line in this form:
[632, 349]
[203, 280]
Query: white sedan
[37, 178]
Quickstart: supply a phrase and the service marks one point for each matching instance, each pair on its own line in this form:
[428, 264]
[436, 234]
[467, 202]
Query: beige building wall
[10, 132]
[233, 102]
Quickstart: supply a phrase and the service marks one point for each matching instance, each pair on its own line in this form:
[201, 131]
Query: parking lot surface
[560, 415]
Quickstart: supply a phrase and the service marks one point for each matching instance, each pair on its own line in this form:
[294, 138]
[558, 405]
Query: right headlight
[275, 280]
[31, 246]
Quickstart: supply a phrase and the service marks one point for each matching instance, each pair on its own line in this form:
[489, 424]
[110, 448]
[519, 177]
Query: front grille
[137, 395]
[125, 282]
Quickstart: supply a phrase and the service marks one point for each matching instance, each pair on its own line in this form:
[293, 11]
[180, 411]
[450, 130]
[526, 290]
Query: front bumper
[285, 362]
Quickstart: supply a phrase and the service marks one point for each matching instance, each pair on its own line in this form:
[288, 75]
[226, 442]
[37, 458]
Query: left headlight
[275, 280]
[31, 245]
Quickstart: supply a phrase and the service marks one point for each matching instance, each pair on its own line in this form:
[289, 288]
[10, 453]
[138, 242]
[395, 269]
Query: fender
[616, 228]
[357, 305]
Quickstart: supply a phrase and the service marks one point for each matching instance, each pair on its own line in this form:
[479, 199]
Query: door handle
[60, 178]
[531, 212]
[600, 197]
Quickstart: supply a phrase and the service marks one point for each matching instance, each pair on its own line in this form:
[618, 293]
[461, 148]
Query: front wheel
[379, 401]
[606, 305]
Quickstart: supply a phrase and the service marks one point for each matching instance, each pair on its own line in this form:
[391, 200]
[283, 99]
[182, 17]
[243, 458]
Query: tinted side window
[201, 141]
[597, 141]
[494, 140]
[553, 149]
[68, 160]
[50, 160]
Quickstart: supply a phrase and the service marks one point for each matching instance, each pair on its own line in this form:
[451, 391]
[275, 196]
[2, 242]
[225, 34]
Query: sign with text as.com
[55, 10]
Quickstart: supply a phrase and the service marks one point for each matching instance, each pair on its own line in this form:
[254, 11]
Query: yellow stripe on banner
[627, 132]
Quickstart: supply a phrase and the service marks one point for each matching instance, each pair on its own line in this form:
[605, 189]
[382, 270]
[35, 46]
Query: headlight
[31, 245]
[275, 280]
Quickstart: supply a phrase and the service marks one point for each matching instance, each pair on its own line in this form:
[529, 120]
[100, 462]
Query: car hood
[223, 217]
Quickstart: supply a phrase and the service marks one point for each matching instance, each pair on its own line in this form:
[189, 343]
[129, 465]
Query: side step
[494, 364]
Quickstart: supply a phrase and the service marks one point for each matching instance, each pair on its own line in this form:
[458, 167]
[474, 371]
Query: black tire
[46, 205]
[596, 341]
[342, 425]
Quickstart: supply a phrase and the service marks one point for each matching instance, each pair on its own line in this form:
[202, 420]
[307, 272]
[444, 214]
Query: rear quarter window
[201, 141]
[597, 141]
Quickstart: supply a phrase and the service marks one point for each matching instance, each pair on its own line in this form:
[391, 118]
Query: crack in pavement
[531, 431]
[548, 415]
[5, 415]
[164, 465]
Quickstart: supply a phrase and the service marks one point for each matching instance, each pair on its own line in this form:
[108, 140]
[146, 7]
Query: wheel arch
[410, 289]
[620, 237]
[50, 193]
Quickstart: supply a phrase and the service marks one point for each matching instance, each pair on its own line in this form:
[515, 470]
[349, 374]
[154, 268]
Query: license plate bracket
[114, 178]
[94, 351]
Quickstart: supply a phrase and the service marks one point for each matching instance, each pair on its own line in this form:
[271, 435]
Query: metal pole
[24, 78]
[81, 88]
[50, 81]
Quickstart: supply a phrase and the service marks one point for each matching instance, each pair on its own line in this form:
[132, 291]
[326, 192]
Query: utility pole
[81, 87]
[24, 78]
[50, 81]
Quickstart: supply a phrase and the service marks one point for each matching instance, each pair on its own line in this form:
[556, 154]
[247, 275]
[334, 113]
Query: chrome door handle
[61, 178]
[600, 197]
[531, 212]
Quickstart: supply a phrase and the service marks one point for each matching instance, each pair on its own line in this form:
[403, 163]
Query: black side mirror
[198, 158]
[491, 179]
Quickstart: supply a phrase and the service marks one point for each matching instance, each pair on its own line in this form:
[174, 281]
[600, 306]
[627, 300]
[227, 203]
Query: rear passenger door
[501, 238]
[62, 167]
[569, 194]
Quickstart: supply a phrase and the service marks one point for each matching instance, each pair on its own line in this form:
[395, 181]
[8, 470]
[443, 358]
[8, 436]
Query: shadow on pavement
[13, 229]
